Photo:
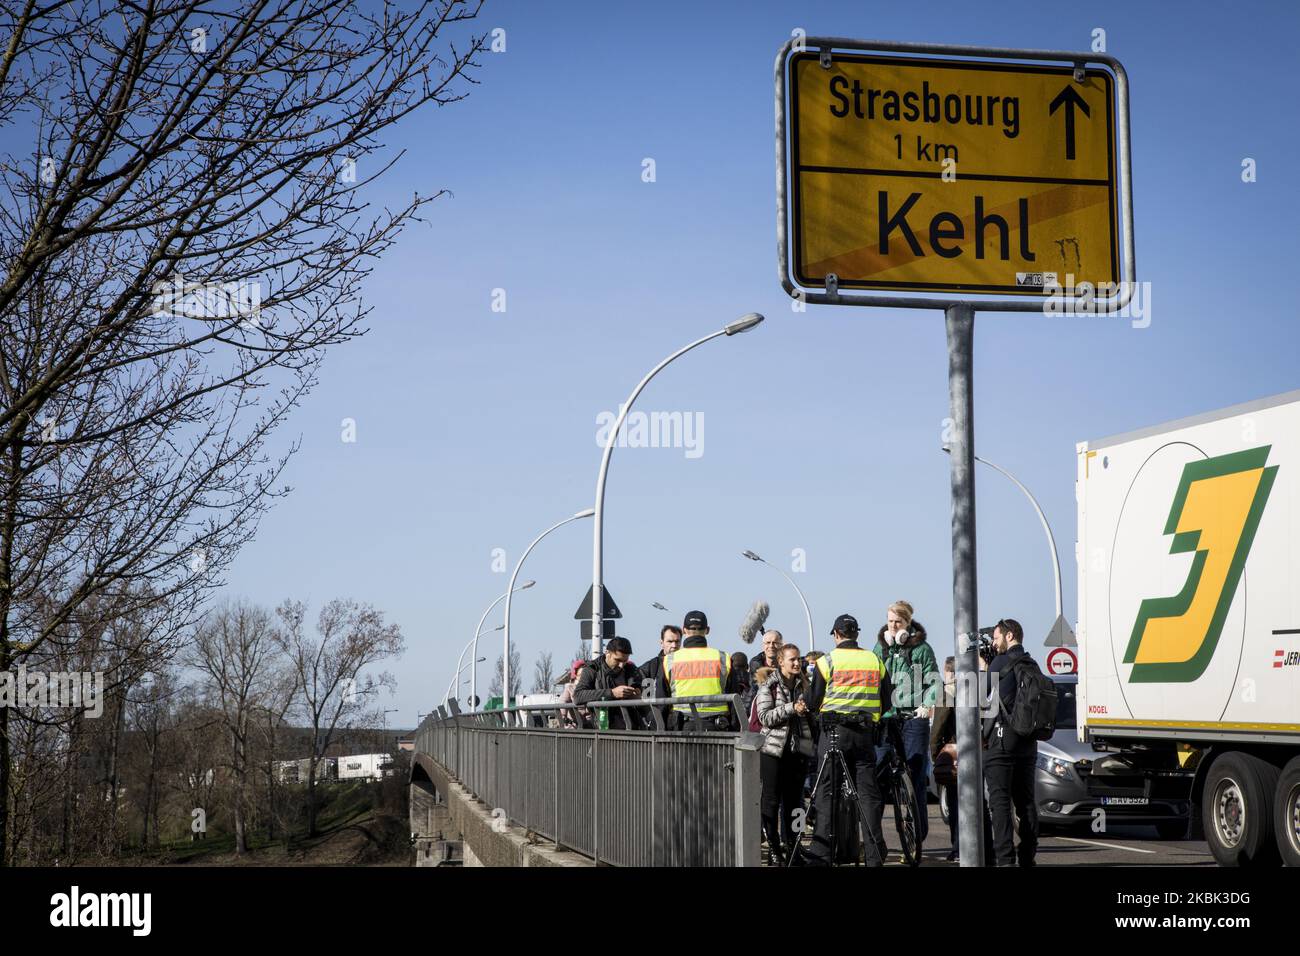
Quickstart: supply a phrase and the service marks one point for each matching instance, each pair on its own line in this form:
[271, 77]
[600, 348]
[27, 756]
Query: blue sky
[476, 429]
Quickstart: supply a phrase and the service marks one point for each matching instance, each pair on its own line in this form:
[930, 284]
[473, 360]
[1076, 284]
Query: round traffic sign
[1061, 660]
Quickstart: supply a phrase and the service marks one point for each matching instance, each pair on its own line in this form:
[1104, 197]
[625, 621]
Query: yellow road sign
[942, 175]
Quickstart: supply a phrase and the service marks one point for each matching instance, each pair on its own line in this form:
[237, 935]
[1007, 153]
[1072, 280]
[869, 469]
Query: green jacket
[913, 671]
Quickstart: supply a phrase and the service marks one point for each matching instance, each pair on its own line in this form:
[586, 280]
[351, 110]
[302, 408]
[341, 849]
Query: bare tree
[183, 234]
[543, 673]
[516, 678]
[236, 650]
[199, 746]
[280, 698]
[150, 717]
[331, 696]
[84, 764]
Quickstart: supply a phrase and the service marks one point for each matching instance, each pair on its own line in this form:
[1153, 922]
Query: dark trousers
[1010, 780]
[950, 792]
[782, 779]
[858, 746]
[954, 816]
[916, 753]
[915, 735]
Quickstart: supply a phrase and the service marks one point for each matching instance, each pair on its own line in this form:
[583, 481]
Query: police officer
[848, 685]
[697, 670]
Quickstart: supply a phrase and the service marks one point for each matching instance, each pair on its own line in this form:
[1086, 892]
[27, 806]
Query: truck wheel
[1286, 813]
[1237, 810]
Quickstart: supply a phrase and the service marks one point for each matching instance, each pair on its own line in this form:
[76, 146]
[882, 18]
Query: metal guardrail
[622, 797]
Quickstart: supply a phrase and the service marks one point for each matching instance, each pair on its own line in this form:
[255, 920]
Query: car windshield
[1065, 716]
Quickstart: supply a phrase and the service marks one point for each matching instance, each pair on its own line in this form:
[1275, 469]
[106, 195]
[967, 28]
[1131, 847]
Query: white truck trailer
[365, 766]
[1189, 615]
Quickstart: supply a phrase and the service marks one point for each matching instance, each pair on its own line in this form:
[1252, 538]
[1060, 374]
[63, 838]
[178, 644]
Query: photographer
[787, 743]
[1008, 757]
[611, 677]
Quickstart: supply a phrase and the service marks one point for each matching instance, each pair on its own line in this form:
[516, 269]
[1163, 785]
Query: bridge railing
[636, 797]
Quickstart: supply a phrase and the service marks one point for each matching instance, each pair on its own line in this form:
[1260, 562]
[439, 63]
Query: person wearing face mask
[914, 675]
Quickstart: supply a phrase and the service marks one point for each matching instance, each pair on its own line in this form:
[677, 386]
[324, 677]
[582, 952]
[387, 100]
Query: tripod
[842, 786]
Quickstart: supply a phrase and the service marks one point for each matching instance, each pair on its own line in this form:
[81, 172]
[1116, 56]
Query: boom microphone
[752, 626]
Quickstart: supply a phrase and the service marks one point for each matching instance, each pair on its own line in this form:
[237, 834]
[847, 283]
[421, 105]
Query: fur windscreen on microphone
[752, 626]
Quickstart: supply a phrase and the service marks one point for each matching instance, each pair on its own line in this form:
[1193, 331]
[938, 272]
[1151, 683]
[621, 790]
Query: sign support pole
[959, 319]
[1080, 141]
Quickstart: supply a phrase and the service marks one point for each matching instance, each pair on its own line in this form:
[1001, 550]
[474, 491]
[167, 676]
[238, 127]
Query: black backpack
[1033, 714]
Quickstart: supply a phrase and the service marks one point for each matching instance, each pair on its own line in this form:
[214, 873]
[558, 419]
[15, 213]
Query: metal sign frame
[921, 300]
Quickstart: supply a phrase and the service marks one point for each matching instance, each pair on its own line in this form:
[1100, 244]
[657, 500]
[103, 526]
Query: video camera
[985, 645]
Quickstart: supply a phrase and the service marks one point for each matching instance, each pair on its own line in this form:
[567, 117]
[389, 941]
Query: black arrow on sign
[1069, 99]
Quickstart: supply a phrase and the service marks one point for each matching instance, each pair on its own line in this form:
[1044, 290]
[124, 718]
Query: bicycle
[894, 779]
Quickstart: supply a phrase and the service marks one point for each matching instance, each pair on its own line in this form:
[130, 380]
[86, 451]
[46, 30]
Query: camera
[985, 646]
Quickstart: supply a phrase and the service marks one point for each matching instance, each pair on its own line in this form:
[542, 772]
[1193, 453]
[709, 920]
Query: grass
[352, 831]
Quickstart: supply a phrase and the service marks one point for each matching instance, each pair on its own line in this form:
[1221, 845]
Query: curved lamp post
[743, 324]
[473, 684]
[505, 665]
[1047, 528]
[812, 641]
[481, 660]
[460, 665]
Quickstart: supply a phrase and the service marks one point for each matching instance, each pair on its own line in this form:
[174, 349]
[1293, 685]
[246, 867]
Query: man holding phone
[611, 677]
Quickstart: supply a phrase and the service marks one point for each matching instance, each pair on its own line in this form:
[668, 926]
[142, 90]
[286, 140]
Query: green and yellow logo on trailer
[1215, 513]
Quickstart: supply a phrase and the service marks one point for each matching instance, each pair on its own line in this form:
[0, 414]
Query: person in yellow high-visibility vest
[848, 685]
[697, 670]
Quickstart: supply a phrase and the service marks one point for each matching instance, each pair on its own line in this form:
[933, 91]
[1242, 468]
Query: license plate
[1125, 801]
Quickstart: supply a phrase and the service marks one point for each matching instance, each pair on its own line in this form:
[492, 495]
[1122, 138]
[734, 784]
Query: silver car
[1073, 782]
[1076, 785]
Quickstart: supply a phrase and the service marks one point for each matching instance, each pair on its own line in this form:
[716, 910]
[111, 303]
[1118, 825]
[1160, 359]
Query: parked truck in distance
[1189, 614]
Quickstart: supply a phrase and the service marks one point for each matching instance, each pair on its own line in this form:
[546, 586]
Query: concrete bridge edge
[443, 811]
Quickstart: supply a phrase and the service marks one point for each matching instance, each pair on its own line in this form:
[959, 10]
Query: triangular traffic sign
[610, 608]
[1061, 635]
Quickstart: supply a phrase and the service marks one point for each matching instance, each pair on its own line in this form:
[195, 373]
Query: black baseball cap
[845, 624]
[695, 619]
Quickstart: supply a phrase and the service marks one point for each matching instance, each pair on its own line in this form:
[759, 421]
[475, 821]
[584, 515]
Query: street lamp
[1047, 528]
[657, 606]
[473, 685]
[812, 643]
[460, 665]
[384, 738]
[505, 668]
[479, 661]
[743, 324]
